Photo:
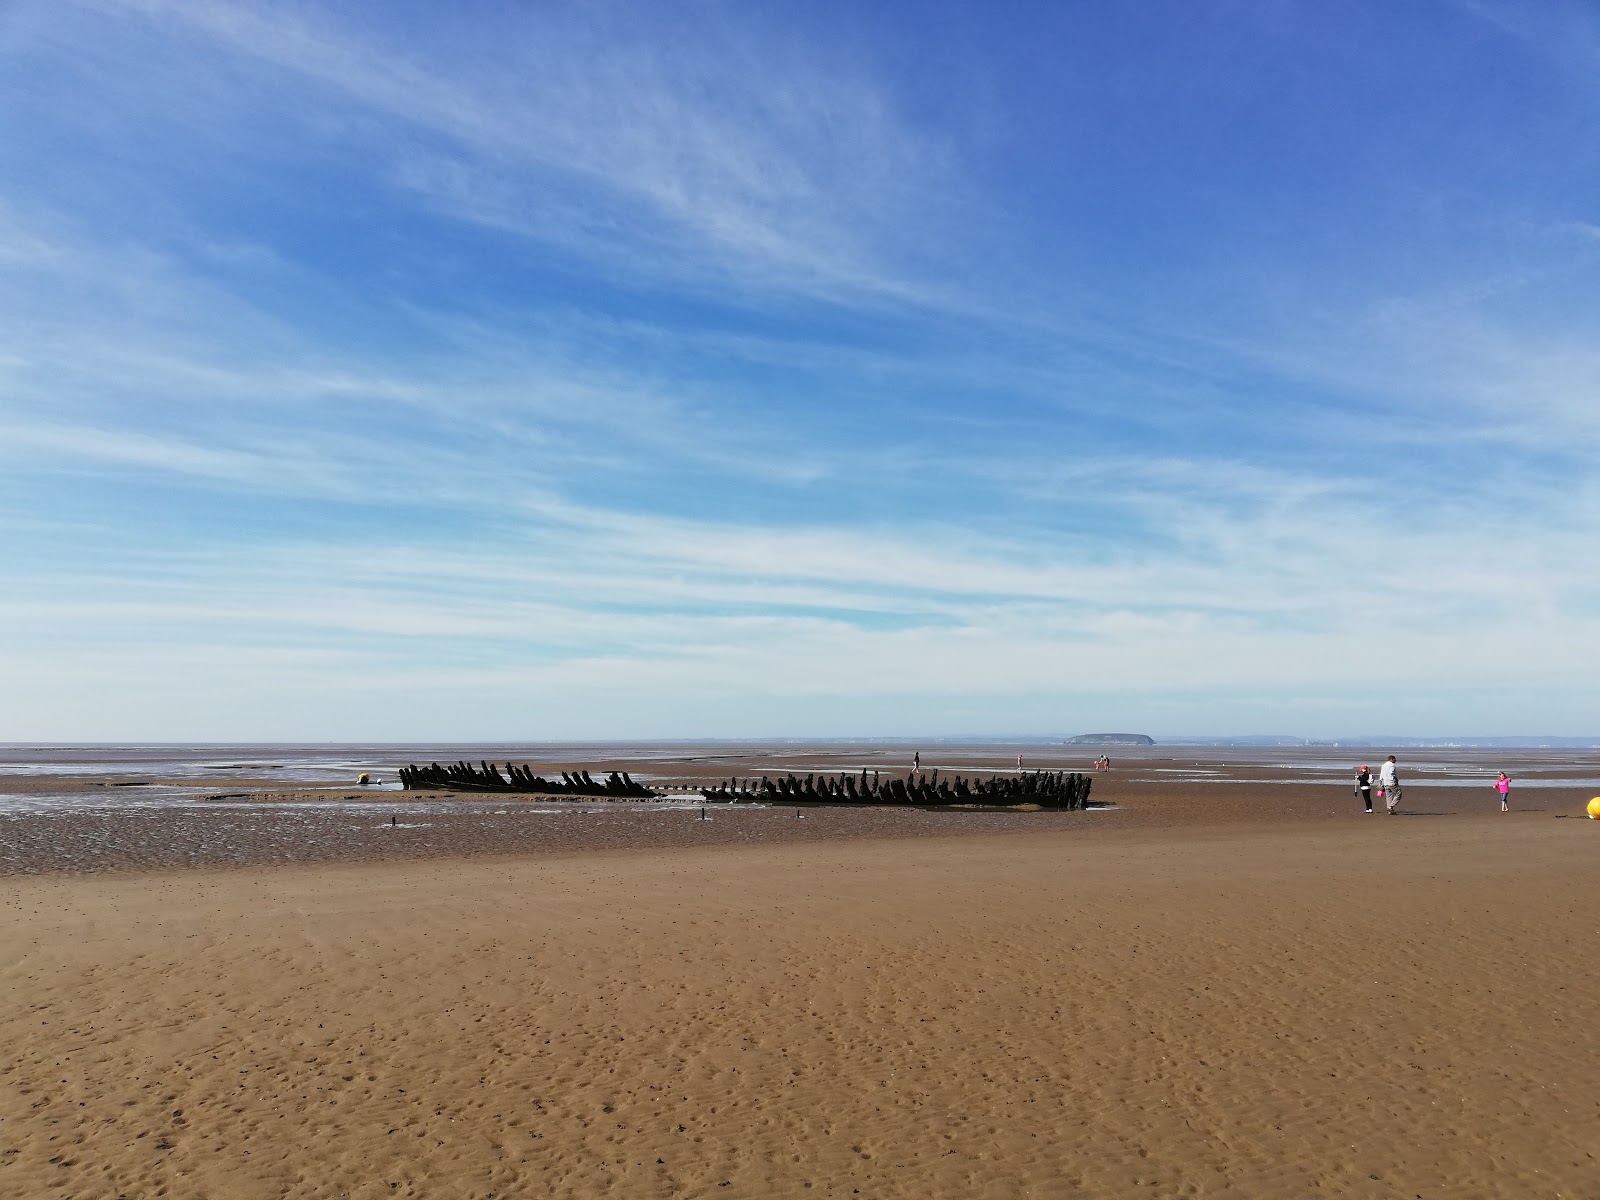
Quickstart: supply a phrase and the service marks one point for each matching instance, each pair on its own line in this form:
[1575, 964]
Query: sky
[535, 371]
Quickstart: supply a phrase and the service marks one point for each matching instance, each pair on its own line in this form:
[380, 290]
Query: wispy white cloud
[671, 478]
[1564, 32]
[755, 158]
[266, 394]
[1300, 572]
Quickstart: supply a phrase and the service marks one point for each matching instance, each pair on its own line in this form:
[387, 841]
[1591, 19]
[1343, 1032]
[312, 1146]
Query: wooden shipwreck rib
[1047, 789]
[464, 777]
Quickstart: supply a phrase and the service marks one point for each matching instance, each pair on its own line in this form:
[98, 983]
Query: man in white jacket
[1389, 781]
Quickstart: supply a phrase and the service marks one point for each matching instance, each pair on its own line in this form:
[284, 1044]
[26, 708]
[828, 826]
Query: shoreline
[342, 825]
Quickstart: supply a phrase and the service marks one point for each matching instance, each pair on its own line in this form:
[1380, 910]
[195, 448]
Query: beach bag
[1380, 793]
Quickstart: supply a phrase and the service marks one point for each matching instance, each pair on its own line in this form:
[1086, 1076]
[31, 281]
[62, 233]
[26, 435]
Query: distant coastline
[499, 745]
[1509, 742]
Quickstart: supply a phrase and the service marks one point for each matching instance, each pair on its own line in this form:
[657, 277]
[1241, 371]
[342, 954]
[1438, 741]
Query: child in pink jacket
[1503, 786]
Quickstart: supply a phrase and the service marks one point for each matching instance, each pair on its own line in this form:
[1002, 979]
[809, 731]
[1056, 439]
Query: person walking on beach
[916, 761]
[1364, 788]
[1503, 786]
[1389, 781]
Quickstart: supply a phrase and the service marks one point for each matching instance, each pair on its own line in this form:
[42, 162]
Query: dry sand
[1345, 1006]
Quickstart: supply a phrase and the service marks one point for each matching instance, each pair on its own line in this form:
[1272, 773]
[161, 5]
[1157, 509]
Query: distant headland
[1111, 739]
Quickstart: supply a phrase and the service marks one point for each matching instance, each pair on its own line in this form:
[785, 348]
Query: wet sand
[133, 808]
[1223, 990]
[342, 824]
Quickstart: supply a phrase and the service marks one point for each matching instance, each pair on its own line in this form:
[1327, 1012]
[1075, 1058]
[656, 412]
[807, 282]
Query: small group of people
[1103, 763]
[1388, 787]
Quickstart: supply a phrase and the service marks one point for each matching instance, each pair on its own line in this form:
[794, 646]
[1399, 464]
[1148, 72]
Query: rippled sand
[1243, 990]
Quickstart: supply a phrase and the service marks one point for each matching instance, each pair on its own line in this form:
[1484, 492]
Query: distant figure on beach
[1364, 788]
[916, 761]
[1389, 781]
[1503, 786]
[1019, 762]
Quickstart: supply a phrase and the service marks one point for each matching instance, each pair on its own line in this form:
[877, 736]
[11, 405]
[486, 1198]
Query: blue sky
[620, 370]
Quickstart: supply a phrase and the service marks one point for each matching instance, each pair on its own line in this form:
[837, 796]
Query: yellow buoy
[1594, 809]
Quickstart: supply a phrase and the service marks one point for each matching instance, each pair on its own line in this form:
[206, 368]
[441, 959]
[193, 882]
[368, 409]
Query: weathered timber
[1047, 789]
[486, 777]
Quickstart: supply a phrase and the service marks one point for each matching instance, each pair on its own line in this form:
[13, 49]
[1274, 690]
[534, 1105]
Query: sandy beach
[1203, 992]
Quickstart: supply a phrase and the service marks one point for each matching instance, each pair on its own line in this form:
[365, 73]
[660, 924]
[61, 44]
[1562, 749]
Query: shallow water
[134, 776]
[1407, 780]
[70, 807]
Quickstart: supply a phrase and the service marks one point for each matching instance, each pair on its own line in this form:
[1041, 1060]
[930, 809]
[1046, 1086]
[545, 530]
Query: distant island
[1110, 739]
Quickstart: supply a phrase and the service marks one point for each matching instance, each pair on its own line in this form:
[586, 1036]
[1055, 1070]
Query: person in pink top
[1503, 786]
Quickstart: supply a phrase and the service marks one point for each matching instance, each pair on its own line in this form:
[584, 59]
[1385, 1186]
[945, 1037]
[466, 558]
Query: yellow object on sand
[364, 778]
[1594, 809]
